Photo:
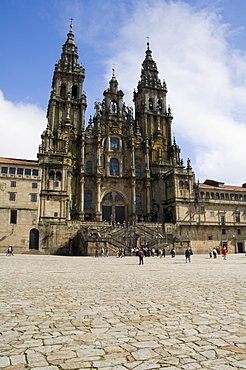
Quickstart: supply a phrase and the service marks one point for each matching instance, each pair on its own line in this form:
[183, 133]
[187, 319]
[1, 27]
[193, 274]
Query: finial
[71, 24]
[174, 140]
[147, 42]
[113, 70]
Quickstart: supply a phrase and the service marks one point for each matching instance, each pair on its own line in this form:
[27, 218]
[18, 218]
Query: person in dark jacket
[188, 254]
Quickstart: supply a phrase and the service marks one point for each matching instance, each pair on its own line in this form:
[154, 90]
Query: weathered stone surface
[96, 314]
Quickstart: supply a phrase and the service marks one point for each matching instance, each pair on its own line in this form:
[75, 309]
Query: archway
[113, 207]
[34, 239]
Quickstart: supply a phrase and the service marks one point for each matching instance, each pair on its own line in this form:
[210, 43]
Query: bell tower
[60, 152]
[152, 114]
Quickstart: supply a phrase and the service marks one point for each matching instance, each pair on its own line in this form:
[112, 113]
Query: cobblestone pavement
[110, 313]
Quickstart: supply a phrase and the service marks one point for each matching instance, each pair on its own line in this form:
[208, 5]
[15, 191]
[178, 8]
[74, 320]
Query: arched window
[150, 104]
[118, 198]
[88, 199]
[108, 196]
[58, 176]
[74, 92]
[63, 91]
[114, 167]
[160, 105]
[51, 175]
[88, 166]
[113, 107]
[181, 185]
[138, 202]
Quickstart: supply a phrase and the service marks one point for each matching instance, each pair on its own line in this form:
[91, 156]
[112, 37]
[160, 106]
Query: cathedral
[118, 182]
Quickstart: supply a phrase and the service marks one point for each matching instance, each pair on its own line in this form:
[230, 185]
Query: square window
[27, 172]
[212, 213]
[238, 231]
[13, 184]
[12, 170]
[88, 167]
[4, 170]
[20, 171]
[33, 197]
[56, 184]
[12, 197]
[114, 143]
[34, 185]
[202, 209]
[138, 171]
[223, 231]
[35, 172]
[55, 214]
[237, 217]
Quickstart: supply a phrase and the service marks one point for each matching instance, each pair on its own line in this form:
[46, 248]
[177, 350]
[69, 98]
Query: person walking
[141, 256]
[188, 254]
[173, 252]
[224, 252]
[215, 253]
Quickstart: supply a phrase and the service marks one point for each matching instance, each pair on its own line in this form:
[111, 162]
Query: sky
[199, 47]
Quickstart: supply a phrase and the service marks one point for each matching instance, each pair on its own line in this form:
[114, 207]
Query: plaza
[61, 312]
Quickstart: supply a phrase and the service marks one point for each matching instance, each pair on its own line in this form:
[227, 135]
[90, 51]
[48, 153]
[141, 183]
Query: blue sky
[199, 47]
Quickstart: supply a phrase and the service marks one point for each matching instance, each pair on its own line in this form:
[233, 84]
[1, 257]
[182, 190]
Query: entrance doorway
[240, 248]
[34, 239]
[113, 207]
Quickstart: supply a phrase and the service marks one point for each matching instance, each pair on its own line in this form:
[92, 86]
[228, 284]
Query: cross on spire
[71, 24]
[147, 41]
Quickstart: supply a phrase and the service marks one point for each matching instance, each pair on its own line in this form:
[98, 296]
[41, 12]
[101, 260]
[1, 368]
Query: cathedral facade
[120, 177]
[119, 168]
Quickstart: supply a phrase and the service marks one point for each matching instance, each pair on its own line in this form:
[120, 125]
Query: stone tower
[166, 173]
[60, 152]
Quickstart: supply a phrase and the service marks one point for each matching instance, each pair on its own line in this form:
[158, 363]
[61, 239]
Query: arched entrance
[113, 207]
[34, 239]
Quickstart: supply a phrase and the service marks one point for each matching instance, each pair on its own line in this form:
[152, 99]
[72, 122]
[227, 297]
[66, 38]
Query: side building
[19, 204]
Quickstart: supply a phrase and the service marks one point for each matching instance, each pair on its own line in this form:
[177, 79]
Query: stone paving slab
[70, 313]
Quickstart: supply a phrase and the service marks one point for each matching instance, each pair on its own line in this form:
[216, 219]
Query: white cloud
[19, 127]
[205, 77]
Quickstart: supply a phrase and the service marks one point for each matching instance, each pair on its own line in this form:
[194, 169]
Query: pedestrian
[188, 254]
[173, 252]
[224, 252]
[102, 253]
[215, 253]
[96, 254]
[164, 252]
[141, 256]
[211, 253]
[10, 251]
[107, 253]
